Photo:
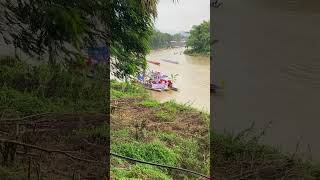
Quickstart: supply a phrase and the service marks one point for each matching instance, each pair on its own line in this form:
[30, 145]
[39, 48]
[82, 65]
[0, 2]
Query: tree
[62, 28]
[177, 37]
[162, 40]
[199, 39]
[39, 26]
[159, 40]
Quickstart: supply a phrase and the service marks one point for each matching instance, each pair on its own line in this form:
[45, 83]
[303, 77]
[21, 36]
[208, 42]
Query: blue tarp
[98, 54]
[140, 77]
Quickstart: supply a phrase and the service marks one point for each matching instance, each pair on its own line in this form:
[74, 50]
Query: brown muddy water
[193, 80]
[268, 55]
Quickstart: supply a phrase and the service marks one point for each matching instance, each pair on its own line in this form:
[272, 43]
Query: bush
[123, 90]
[30, 89]
[94, 132]
[164, 116]
[140, 172]
[155, 152]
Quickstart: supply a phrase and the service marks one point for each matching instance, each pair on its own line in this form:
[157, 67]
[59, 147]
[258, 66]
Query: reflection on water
[193, 78]
[268, 55]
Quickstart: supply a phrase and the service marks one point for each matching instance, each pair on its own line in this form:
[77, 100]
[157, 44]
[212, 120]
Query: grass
[94, 132]
[232, 151]
[26, 89]
[127, 90]
[191, 151]
[150, 103]
[11, 173]
[231, 154]
[163, 116]
[154, 151]
[140, 172]
[166, 112]
[155, 146]
[165, 148]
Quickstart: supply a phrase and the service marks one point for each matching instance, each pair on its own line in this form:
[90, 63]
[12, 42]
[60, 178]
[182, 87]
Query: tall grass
[27, 89]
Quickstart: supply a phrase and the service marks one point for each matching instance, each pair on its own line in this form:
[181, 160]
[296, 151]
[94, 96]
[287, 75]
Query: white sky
[181, 15]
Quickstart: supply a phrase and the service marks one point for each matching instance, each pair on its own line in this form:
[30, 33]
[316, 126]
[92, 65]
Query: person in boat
[168, 82]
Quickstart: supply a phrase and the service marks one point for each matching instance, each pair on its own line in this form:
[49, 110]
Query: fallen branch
[49, 113]
[26, 117]
[51, 151]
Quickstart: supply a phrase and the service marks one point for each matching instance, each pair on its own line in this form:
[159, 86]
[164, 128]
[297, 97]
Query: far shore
[196, 54]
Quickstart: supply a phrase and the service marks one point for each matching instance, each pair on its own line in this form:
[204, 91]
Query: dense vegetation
[27, 90]
[162, 40]
[199, 39]
[53, 101]
[62, 29]
[242, 156]
[147, 130]
[155, 132]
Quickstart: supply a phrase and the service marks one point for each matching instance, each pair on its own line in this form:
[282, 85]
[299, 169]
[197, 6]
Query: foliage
[190, 150]
[228, 150]
[199, 39]
[121, 134]
[64, 28]
[162, 40]
[27, 89]
[173, 77]
[121, 90]
[155, 152]
[140, 172]
[164, 116]
[150, 103]
[11, 173]
[94, 132]
[153, 146]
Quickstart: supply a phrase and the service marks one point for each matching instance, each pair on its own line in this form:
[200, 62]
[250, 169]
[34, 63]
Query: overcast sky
[181, 15]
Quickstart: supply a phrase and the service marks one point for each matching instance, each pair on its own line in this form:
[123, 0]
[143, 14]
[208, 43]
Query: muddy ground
[49, 146]
[128, 113]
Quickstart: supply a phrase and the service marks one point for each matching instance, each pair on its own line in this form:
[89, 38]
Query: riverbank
[162, 49]
[192, 53]
[165, 133]
[51, 120]
[193, 76]
[243, 157]
[177, 135]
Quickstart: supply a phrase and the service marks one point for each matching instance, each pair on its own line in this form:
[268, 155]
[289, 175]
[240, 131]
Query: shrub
[140, 172]
[164, 116]
[155, 152]
[150, 103]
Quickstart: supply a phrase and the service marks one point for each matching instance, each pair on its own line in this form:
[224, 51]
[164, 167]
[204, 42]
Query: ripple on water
[304, 73]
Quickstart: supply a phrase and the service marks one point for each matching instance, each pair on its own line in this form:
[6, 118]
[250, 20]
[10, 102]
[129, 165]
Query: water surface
[268, 55]
[193, 78]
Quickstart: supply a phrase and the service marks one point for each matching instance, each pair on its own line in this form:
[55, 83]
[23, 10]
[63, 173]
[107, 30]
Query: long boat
[154, 62]
[170, 61]
[160, 90]
[164, 84]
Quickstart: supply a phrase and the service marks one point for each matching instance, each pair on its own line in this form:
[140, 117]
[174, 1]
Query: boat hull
[169, 61]
[154, 62]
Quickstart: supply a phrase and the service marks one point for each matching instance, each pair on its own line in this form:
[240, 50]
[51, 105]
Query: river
[268, 56]
[193, 80]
